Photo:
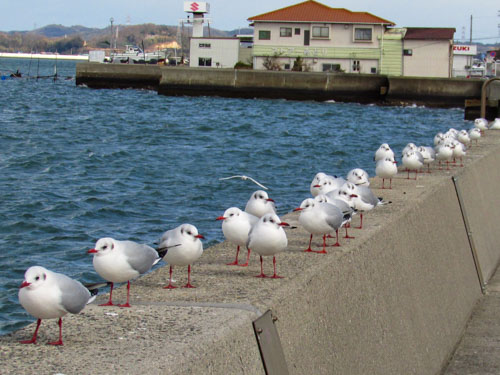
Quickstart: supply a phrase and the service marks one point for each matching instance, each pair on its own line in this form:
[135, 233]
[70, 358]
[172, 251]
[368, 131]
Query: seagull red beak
[199, 236]
[283, 224]
[298, 209]
[317, 186]
[270, 200]
[221, 218]
[24, 284]
[354, 196]
[92, 251]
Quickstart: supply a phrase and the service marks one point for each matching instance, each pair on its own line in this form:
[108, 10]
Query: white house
[318, 38]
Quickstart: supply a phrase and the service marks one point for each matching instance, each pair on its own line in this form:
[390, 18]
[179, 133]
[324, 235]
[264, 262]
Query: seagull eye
[189, 232]
[37, 278]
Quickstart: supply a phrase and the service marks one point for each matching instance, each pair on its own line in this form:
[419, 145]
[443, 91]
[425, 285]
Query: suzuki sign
[464, 49]
[196, 7]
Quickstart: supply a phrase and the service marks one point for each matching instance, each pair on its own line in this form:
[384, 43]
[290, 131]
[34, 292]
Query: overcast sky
[233, 14]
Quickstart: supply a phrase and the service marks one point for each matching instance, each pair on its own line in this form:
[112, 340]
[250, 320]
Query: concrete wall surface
[96, 75]
[440, 91]
[393, 300]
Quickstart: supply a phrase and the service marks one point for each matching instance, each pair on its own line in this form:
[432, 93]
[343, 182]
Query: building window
[331, 67]
[363, 34]
[356, 66]
[287, 67]
[285, 31]
[321, 32]
[373, 70]
[407, 52]
[297, 31]
[264, 35]
[205, 61]
[204, 45]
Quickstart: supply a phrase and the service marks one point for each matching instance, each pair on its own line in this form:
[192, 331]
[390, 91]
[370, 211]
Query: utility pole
[471, 29]
[111, 40]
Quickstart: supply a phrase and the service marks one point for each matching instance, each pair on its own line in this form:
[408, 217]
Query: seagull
[444, 152]
[412, 160]
[327, 184]
[267, 238]
[386, 168]
[495, 125]
[180, 246]
[48, 295]
[120, 261]
[459, 151]
[481, 124]
[409, 147]
[358, 176]
[235, 225]
[383, 152]
[314, 187]
[429, 156]
[463, 137]
[244, 178]
[474, 134]
[362, 197]
[260, 204]
[320, 218]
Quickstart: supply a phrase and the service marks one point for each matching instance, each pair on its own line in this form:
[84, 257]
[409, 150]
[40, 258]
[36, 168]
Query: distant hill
[79, 39]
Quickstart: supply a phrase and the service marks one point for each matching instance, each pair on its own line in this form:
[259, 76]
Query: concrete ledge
[394, 300]
[437, 91]
[114, 76]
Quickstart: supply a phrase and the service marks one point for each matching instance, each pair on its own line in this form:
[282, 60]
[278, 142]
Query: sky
[23, 15]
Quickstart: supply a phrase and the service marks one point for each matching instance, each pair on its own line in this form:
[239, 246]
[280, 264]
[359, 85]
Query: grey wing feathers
[333, 215]
[367, 195]
[74, 295]
[141, 257]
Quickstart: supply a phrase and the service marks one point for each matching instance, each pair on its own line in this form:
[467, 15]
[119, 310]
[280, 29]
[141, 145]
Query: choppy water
[78, 164]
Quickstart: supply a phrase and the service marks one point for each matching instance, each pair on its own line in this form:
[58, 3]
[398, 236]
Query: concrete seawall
[361, 88]
[394, 300]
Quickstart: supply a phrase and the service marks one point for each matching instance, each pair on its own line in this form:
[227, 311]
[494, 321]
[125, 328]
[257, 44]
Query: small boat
[135, 55]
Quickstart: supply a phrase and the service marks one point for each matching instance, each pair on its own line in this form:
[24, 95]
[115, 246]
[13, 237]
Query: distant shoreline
[48, 56]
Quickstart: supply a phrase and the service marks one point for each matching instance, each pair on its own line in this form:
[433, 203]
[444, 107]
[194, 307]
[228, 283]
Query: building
[463, 57]
[428, 51]
[315, 37]
[311, 36]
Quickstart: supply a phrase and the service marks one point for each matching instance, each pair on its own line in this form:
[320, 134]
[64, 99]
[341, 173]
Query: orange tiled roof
[312, 11]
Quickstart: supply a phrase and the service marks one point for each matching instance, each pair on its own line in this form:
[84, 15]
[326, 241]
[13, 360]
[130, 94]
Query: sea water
[77, 164]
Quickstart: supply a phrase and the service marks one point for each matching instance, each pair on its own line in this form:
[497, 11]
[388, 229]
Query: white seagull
[362, 197]
[48, 295]
[320, 218]
[260, 204]
[244, 178]
[180, 246]
[428, 154]
[235, 225]
[267, 238]
[384, 151]
[474, 134]
[386, 168]
[358, 176]
[412, 160]
[120, 261]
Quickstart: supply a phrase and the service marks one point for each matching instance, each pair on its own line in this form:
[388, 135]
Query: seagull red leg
[33, 339]
[248, 258]
[189, 285]
[347, 235]
[110, 301]
[170, 286]
[58, 342]
[235, 263]
[337, 244]
[275, 276]
[262, 275]
[127, 304]
[309, 250]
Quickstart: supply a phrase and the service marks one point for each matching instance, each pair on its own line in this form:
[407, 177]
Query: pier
[360, 88]
[396, 299]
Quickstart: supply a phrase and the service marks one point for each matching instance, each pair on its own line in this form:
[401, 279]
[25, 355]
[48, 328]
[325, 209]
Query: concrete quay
[394, 300]
[359, 88]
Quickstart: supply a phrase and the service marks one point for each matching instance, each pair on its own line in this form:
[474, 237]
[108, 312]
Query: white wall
[223, 51]
[430, 58]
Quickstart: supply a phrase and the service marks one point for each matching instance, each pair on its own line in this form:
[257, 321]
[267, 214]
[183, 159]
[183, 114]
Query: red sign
[461, 48]
[194, 7]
